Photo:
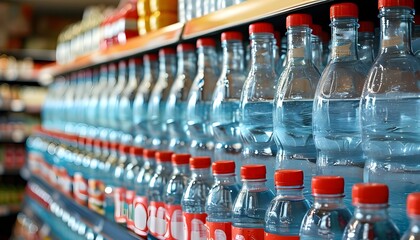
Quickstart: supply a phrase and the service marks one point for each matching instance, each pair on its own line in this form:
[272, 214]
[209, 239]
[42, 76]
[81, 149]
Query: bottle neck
[233, 55]
[167, 66]
[163, 167]
[111, 78]
[415, 222]
[299, 45]
[225, 179]
[207, 58]
[257, 185]
[134, 74]
[396, 25]
[344, 39]
[330, 201]
[200, 173]
[262, 52]
[186, 64]
[371, 212]
[122, 76]
[290, 192]
[149, 163]
[181, 169]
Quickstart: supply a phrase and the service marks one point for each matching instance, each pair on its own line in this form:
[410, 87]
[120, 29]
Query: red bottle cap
[136, 151]
[395, 3]
[327, 185]
[163, 156]
[316, 30]
[183, 47]
[182, 158]
[124, 149]
[122, 64]
[261, 27]
[370, 193]
[413, 203]
[165, 51]
[223, 167]
[149, 153]
[298, 19]
[112, 67]
[206, 42]
[135, 61]
[105, 144]
[288, 178]
[366, 26]
[253, 171]
[81, 140]
[200, 162]
[226, 36]
[344, 10]
[150, 57]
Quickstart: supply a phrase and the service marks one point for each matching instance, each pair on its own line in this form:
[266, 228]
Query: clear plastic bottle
[336, 119]
[390, 110]
[131, 171]
[294, 99]
[104, 97]
[141, 100]
[200, 99]
[413, 212]
[140, 202]
[226, 99]
[173, 194]
[328, 215]
[316, 46]
[256, 107]
[371, 219]
[286, 211]
[177, 101]
[249, 208]
[221, 4]
[96, 185]
[194, 199]
[119, 186]
[159, 97]
[156, 222]
[365, 42]
[220, 200]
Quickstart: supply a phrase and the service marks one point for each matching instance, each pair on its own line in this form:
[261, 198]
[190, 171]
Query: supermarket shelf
[246, 12]
[6, 210]
[27, 82]
[159, 38]
[40, 191]
[35, 54]
[16, 138]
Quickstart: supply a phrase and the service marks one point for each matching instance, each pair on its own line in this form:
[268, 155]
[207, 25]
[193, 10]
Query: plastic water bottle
[248, 210]
[200, 99]
[316, 46]
[141, 100]
[365, 43]
[256, 107]
[104, 121]
[140, 202]
[176, 106]
[194, 199]
[220, 200]
[371, 219]
[286, 211]
[173, 194]
[159, 98]
[131, 171]
[294, 99]
[390, 110]
[413, 212]
[336, 119]
[119, 186]
[221, 4]
[226, 99]
[92, 110]
[156, 223]
[96, 184]
[328, 216]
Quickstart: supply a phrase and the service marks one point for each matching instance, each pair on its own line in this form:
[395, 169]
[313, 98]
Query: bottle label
[270, 236]
[247, 233]
[175, 221]
[65, 182]
[341, 51]
[129, 198]
[80, 191]
[219, 230]
[96, 200]
[140, 215]
[392, 41]
[298, 52]
[119, 199]
[194, 228]
[157, 223]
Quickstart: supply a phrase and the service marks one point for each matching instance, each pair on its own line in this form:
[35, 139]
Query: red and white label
[65, 182]
[175, 221]
[129, 198]
[270, 236]
[80, 189]
[247, 233]
[219, 230]
[194, 227]
[156, 222]
[96, 200]
[119, 199]
[140, 215]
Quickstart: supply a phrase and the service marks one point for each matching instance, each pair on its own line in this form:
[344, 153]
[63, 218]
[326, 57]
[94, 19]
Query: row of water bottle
[163, 195]
[350, 121]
